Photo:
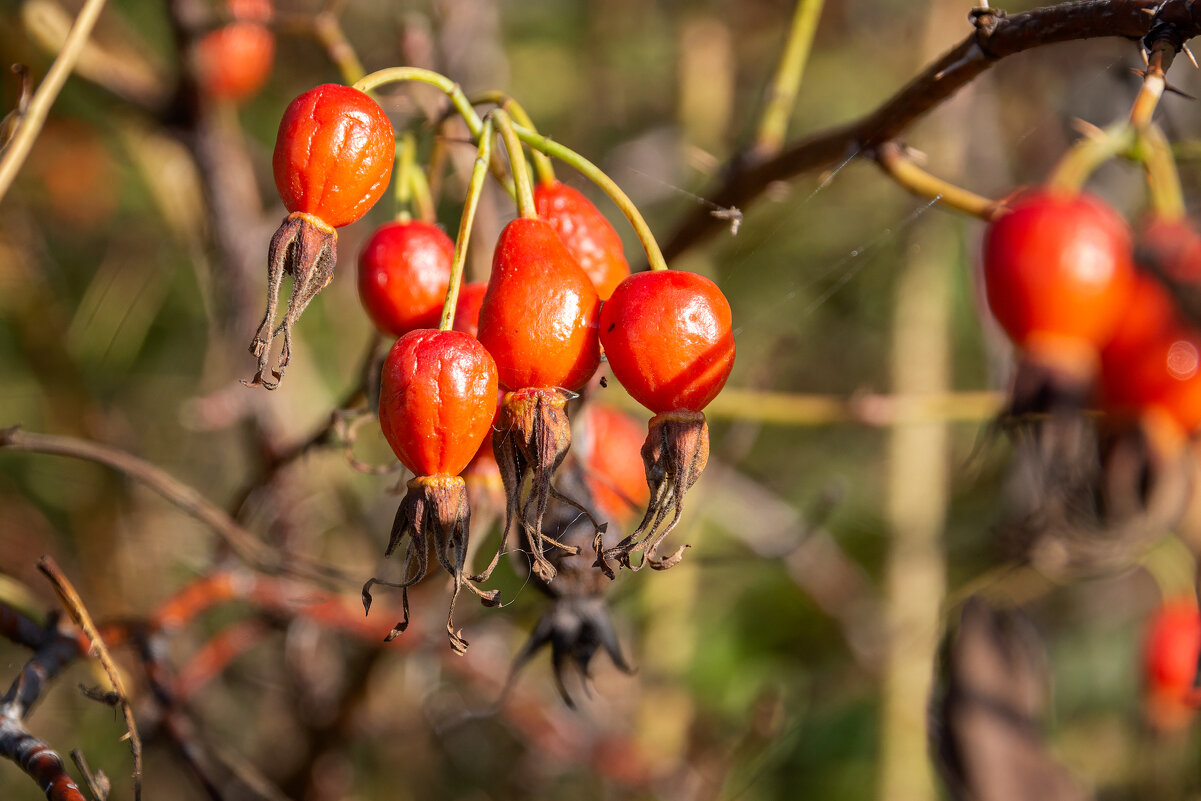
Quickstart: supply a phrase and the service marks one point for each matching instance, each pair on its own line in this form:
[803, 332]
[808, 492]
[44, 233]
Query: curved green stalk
[543, 166]
[517, 163]
[402, 188]
[787, 81]
[479, 173]
[422, 199]
[419, 75]
[654, 255]
[1083, 158]
[1163, 180]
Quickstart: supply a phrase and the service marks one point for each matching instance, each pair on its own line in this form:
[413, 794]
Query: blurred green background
[765, 665]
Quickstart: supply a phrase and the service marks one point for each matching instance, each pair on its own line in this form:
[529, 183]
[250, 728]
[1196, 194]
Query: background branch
[995, 37]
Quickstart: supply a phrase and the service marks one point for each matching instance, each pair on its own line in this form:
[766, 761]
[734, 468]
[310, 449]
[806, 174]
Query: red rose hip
[538, 320]
[404, 272]
[333, 154]
[437, 399]
[332, 162]
[586, 232]
[668, 337]
[539, 315]
[1058, 270]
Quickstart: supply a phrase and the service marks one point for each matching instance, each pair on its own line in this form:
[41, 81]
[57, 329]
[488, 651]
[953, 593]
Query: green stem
[1083, 158]
[517, 163]
[654, 255]
[422, 199]
[1163, 180]
[479, 173]
[405, 158]
[449, 87]
[787, 80]
[543, 166]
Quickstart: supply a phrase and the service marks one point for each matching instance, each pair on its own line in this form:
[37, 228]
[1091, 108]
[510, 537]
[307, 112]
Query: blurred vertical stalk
[918, 476]
[915, 505]
[781, 95]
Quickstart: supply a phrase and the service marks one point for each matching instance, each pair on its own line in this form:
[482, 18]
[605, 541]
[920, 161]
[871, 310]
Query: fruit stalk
[450, 88]
[402, 192]
[517, 164]
[654, 256]
[474, 188]
[1163, 180]
[543, 166]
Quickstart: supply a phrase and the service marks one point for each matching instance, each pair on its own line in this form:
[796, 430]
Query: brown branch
[995, 37]
[79, 613]
[53, 651]
[243, 543]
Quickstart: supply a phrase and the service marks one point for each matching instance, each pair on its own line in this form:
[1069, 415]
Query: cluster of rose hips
[1083, 299]
[494, 366]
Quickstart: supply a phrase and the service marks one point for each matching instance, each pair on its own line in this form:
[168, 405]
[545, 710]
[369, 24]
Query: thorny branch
[994, 37]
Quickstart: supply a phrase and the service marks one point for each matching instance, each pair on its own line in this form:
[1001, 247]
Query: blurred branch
[243, 543]
[79, 613]
[868, 409]
[31, 122]
[327, 29]
[120, 67]
[995, 37]
[988, 718]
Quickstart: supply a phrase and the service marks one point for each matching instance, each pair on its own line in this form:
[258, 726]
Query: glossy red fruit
[667, 335]
[333, 154]
[1150, 316]
[404, 272]
[234, 61]
[467, 309]
[1058, 270]
[1166, 376]
[1170, 653]
[586, 232]
[437, 400]
[539, 314]
[609, 446]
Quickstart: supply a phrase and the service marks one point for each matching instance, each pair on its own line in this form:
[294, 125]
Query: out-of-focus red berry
[1058, 272]
[1170, 652]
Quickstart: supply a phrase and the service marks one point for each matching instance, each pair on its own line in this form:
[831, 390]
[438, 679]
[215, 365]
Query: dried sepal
[674, 455]
[531, 441]
[434, 507]
[306, 248]
[578, 624]
[575, 628]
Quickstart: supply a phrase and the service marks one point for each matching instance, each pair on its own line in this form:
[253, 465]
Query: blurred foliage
[120, 322]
